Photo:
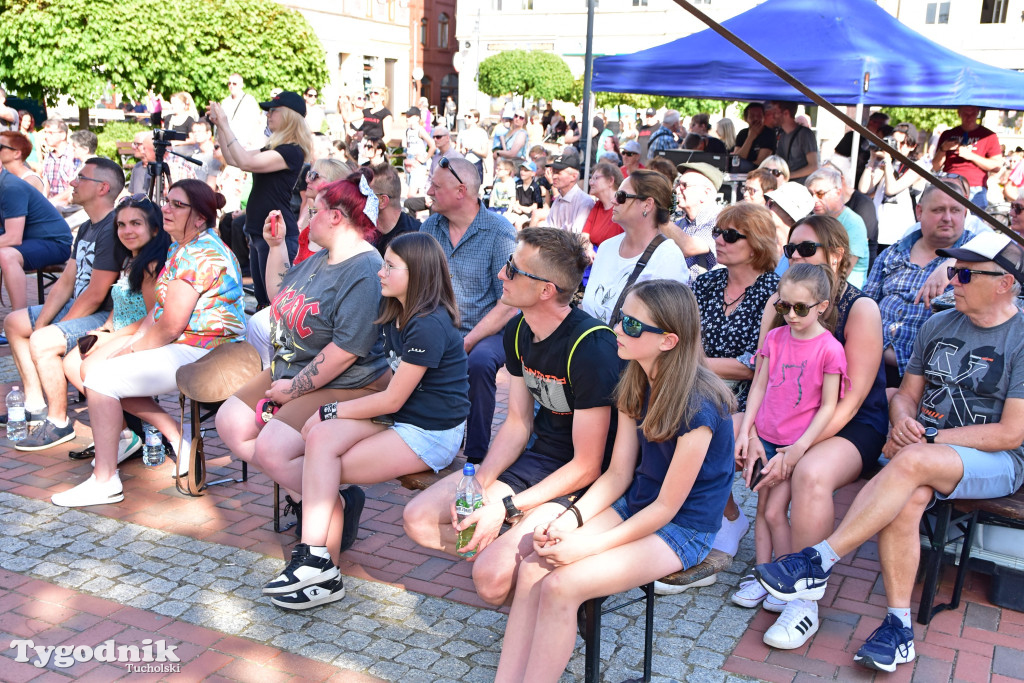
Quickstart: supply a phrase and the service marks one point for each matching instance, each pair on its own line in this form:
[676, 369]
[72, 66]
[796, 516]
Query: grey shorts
[436, 448]
[986, 475]
[71, 329]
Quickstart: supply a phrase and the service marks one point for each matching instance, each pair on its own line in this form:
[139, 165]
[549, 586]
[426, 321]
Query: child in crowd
[661, 498]
[503, 192]
[528, 195]
[797, 384]
[416, 423]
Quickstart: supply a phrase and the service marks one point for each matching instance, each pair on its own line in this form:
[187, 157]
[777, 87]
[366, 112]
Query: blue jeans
[485, 360]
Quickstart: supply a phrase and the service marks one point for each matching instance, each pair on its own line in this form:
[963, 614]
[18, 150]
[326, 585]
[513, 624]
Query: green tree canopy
[533, 74]
[923, 119]
[50, 48]
[684, 105]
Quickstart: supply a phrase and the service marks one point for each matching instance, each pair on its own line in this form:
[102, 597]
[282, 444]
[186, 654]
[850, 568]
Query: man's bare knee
[425, 514]
[493, 576]
[17, 325]
[48, 342]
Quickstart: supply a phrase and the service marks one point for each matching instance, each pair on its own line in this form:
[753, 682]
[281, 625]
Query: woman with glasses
[655, 510]
[274, 169]
[853, 438]
[372, 152]
[323, 330]
[1017, 214]
[759, 182]
[777, 166]
[377, 119]
[514, 142]
[639, 206]
[198, 307]
[890, 182]
[605, 180]
[15, 149]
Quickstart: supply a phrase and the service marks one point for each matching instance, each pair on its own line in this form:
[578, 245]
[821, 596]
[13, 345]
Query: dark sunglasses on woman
[632, 327]
[964, 274]
[1017, 207]
[621, 196]
[805, 249]
[800, 308]
[729, 235]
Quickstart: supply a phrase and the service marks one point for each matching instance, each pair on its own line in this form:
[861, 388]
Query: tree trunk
[83, 118]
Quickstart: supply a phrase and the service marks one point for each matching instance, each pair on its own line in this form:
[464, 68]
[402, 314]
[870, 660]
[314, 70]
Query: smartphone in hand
[756, 479]
[273, 225]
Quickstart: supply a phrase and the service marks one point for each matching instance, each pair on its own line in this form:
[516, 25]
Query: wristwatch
[512, 513]
[930, 433]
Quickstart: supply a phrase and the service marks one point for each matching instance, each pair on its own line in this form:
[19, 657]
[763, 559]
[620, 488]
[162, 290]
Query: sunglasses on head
[805, 249]
[729, 235]
[621, 196]
[444, 163]
[800, 308]
[511, 271]
[632, 327]
[963, 275]
[137, 198]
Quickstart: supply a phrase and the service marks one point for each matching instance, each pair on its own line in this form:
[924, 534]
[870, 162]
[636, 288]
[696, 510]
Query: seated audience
[1017, 214]
[759, 182]
[655, 511]
[426, 403]
[570, 205]
[529, 196]
[199, 306]
[391, 220]
[778, 167]
[605, 179]
[631, 158]
[954, 435]
[15, 149]
[698, 185]
[826, 185]
[321, 172]
[562, 358]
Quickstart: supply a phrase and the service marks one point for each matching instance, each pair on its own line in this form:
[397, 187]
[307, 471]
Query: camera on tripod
[162, 136]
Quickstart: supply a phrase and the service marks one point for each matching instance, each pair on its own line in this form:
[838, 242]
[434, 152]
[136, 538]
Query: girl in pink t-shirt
[796, 386]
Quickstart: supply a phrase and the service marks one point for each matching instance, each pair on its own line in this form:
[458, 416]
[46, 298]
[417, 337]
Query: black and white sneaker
[305, 569]
[312, 596]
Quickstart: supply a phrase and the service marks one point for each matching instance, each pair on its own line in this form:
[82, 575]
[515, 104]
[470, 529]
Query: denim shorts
[71, 329]
[691, 547]
[770, 449]
[986, 475]
[437, 448]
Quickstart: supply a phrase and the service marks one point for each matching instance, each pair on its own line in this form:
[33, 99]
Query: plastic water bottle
[468, 497]
[17, 428]
[153, 450]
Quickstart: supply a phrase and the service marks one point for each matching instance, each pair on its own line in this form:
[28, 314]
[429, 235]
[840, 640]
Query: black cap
[289, 99]
[565, 161]
[413, 111]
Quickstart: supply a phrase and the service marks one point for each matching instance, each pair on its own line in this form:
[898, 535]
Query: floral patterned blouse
[733, 335]
[210, 268]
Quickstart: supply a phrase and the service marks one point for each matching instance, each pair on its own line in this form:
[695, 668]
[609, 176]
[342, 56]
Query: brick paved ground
[188, 571]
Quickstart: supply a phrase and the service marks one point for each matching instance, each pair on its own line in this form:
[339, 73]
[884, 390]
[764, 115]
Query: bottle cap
[468, 470]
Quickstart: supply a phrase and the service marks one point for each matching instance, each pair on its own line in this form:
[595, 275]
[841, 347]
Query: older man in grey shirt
[477, 244]
[571, 205]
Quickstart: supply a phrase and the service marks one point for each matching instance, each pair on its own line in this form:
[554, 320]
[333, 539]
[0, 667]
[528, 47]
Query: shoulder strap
[568, 363]
[640, 265]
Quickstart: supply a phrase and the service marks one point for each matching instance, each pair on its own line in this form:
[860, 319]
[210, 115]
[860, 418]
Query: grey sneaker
[46, 435]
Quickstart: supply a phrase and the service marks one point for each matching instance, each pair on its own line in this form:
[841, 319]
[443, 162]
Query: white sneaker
[794, 627]
[91, 492]
[674, 589]
[750, 593]
[127, 446]
[773, 604]
[183, 457]
[732, 532]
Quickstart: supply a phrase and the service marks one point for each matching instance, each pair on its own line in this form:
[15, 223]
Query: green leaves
[923, 119]
[532, 74]
[50, 48]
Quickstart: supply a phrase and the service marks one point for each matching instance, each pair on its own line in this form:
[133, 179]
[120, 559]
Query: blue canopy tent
[848, 51]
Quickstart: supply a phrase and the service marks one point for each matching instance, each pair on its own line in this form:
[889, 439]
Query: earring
[645, 214]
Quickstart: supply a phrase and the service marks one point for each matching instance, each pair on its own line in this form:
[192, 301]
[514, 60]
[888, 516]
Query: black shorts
[529, 470]
[867, 440]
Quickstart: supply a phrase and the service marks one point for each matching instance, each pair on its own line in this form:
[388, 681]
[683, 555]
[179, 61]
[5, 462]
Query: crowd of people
[657, 343]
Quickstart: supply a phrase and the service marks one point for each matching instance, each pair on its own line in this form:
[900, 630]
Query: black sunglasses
[964, 274]
[1017, 207]
[444, 163]
[632, 327]
[775, 172]
[630, 154]
[511, 271]
[805, 249]
[311, 176]
[729, 235]
[3, 146]
[800, 308]
[621, 196]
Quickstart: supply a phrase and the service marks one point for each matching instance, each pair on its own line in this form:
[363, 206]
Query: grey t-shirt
[320, 303]
[94, 249]
[794, 148]
[969, 372]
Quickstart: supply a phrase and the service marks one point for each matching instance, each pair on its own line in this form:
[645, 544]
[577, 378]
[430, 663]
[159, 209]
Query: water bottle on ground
[17, 428]
[153, 451]
[468, 497]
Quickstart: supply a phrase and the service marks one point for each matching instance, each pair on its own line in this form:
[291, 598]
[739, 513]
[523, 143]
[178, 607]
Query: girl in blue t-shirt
[656, 509]
[416, 423]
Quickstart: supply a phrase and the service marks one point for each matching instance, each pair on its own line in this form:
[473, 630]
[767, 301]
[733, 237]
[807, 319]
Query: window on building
[442, 31]
[639, 3]
[423, 31]
[496, 5]
[993, 11]
[936, 13]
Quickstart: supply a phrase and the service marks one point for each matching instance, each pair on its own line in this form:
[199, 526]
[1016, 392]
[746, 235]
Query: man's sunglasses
[632, 327]
[800, 308]
[511, 271]
[1015, 207]
[729, 235]
[621, 196]
[444, 163]
[964, 274]
[630, 154]
[3, 146]
[805, 249]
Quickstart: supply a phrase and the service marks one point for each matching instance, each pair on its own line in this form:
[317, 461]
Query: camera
[167, 136]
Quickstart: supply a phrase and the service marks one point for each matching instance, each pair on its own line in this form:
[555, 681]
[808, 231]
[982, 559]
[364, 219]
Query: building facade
[432, 37]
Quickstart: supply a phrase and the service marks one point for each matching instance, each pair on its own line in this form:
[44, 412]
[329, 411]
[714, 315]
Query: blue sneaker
[891, 643]
[794, 576]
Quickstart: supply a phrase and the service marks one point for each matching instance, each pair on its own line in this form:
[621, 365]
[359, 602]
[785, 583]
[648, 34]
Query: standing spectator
[315, 116]
[377, 119]
[444, 148]
[274, 169]
[183, 117]
[646, 129]
[700, 125]
[604, 182]
[891, 183]
[630, 158]
[571, 205]
[969, 150]
[756, 142]
[244, 115]
[427, 115]
[698, 186]
[796, 144]
[419, 147]
[473, 142]
[142, 148]
[212, 166]
[534, 131]
[514, 143]
[826, 186]
[155, 106]
[59, 167]
[8, 117]
[667, 135]
[844, 147]
[15, 149]
[451, 112]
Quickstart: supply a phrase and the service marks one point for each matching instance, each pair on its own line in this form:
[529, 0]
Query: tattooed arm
[278, 262]
[328, 364]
